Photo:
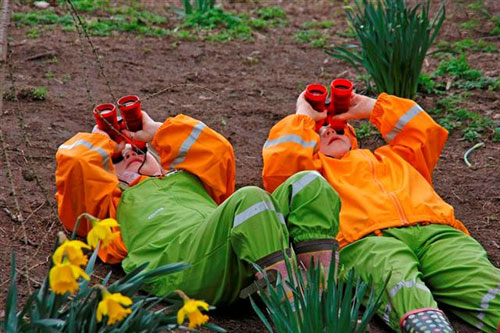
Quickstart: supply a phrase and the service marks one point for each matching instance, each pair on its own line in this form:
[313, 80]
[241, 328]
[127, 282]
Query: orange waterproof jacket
[86, 182]
[390, 187]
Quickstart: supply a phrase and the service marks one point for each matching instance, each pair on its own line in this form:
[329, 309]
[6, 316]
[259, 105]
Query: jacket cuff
[390, 114]
[155, 137]
[308, 121]
[378, 111]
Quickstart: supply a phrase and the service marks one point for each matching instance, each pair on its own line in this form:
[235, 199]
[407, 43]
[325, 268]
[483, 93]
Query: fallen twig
[41, 55]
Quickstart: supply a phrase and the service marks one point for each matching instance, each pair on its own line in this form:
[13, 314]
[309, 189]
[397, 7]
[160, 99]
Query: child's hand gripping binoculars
[339, 102]
[107, 120]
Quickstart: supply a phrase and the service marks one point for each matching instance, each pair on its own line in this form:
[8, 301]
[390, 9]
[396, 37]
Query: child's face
[134, 162]
[333, 144]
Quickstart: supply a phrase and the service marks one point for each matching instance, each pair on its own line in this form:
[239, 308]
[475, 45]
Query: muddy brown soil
[239, 88]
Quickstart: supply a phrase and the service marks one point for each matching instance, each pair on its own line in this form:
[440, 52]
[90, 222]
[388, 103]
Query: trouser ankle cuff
[313, 245]
[273, 258]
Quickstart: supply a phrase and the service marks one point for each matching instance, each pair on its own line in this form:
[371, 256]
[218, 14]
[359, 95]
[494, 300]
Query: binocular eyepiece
[340, 100]
[107, 119]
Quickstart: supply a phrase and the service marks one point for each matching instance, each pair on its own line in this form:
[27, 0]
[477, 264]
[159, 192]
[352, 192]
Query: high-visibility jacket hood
[390, 187]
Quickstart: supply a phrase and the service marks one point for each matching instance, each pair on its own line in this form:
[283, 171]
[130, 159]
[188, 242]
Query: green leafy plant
[451, 115]
[275, 15]
[464, 76]
[314, 37]
[197, 6]
[39, 94]
[366, 129]
[478, 5]
[131, 19]
[318, 305]
[86, 5]
[33, 33]
[470, 24]
[469, 44]
[318, 24]
[496, 30]
[393, 40]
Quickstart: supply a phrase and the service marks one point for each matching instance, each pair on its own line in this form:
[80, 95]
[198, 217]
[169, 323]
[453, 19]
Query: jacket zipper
[394, 198]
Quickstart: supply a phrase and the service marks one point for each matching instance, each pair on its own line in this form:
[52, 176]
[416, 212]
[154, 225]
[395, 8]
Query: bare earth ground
[225, 87]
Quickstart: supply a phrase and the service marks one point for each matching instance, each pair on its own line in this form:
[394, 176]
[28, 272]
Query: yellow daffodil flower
[112, 306]
[72, 250]
[63, 277]
[191, 309]
[101, 231]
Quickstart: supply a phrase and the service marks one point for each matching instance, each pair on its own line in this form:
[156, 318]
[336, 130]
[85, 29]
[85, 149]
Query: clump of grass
[496, 30]
[314, 37]
[131, 19]
[314, 33]
[86, 5]
[39, 94]
[365, 130]
[393, 40]
[197, 6]
[275, 16]
[318, 24]
[427, 85]
[470, 24]
[27, 93]
[469, 44]
[464, 76]
[33, 33]
[321, 303]
[450, 114]
[478, 5]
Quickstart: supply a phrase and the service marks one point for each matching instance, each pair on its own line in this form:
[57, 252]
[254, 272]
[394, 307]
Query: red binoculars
[107, 119]
[340, 100]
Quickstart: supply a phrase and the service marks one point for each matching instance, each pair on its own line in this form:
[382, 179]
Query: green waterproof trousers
[428, 264]
[173, 219]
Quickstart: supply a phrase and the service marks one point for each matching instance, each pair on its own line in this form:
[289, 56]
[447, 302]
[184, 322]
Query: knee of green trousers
[258, 227]
[310, 206]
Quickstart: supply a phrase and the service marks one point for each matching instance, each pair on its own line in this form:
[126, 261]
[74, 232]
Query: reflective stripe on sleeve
[403, 120]
[303, 182]
[254, 210]
[293, 139]
[102, 152]
[396, 289]
[485, 303]
[187, 144]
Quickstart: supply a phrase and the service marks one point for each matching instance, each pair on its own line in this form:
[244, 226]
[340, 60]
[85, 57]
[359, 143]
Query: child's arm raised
[292, 146]
[188, 144]
[410, 132]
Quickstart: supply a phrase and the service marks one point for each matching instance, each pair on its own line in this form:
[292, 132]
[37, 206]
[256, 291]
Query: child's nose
[324, 131]
[130, 153]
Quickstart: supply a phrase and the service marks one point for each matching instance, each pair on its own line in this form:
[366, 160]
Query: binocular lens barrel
[106, 119]
[341, 91]
[130, 108]
[316, 96]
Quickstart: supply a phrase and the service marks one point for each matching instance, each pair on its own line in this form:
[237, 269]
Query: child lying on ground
[392, 221]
